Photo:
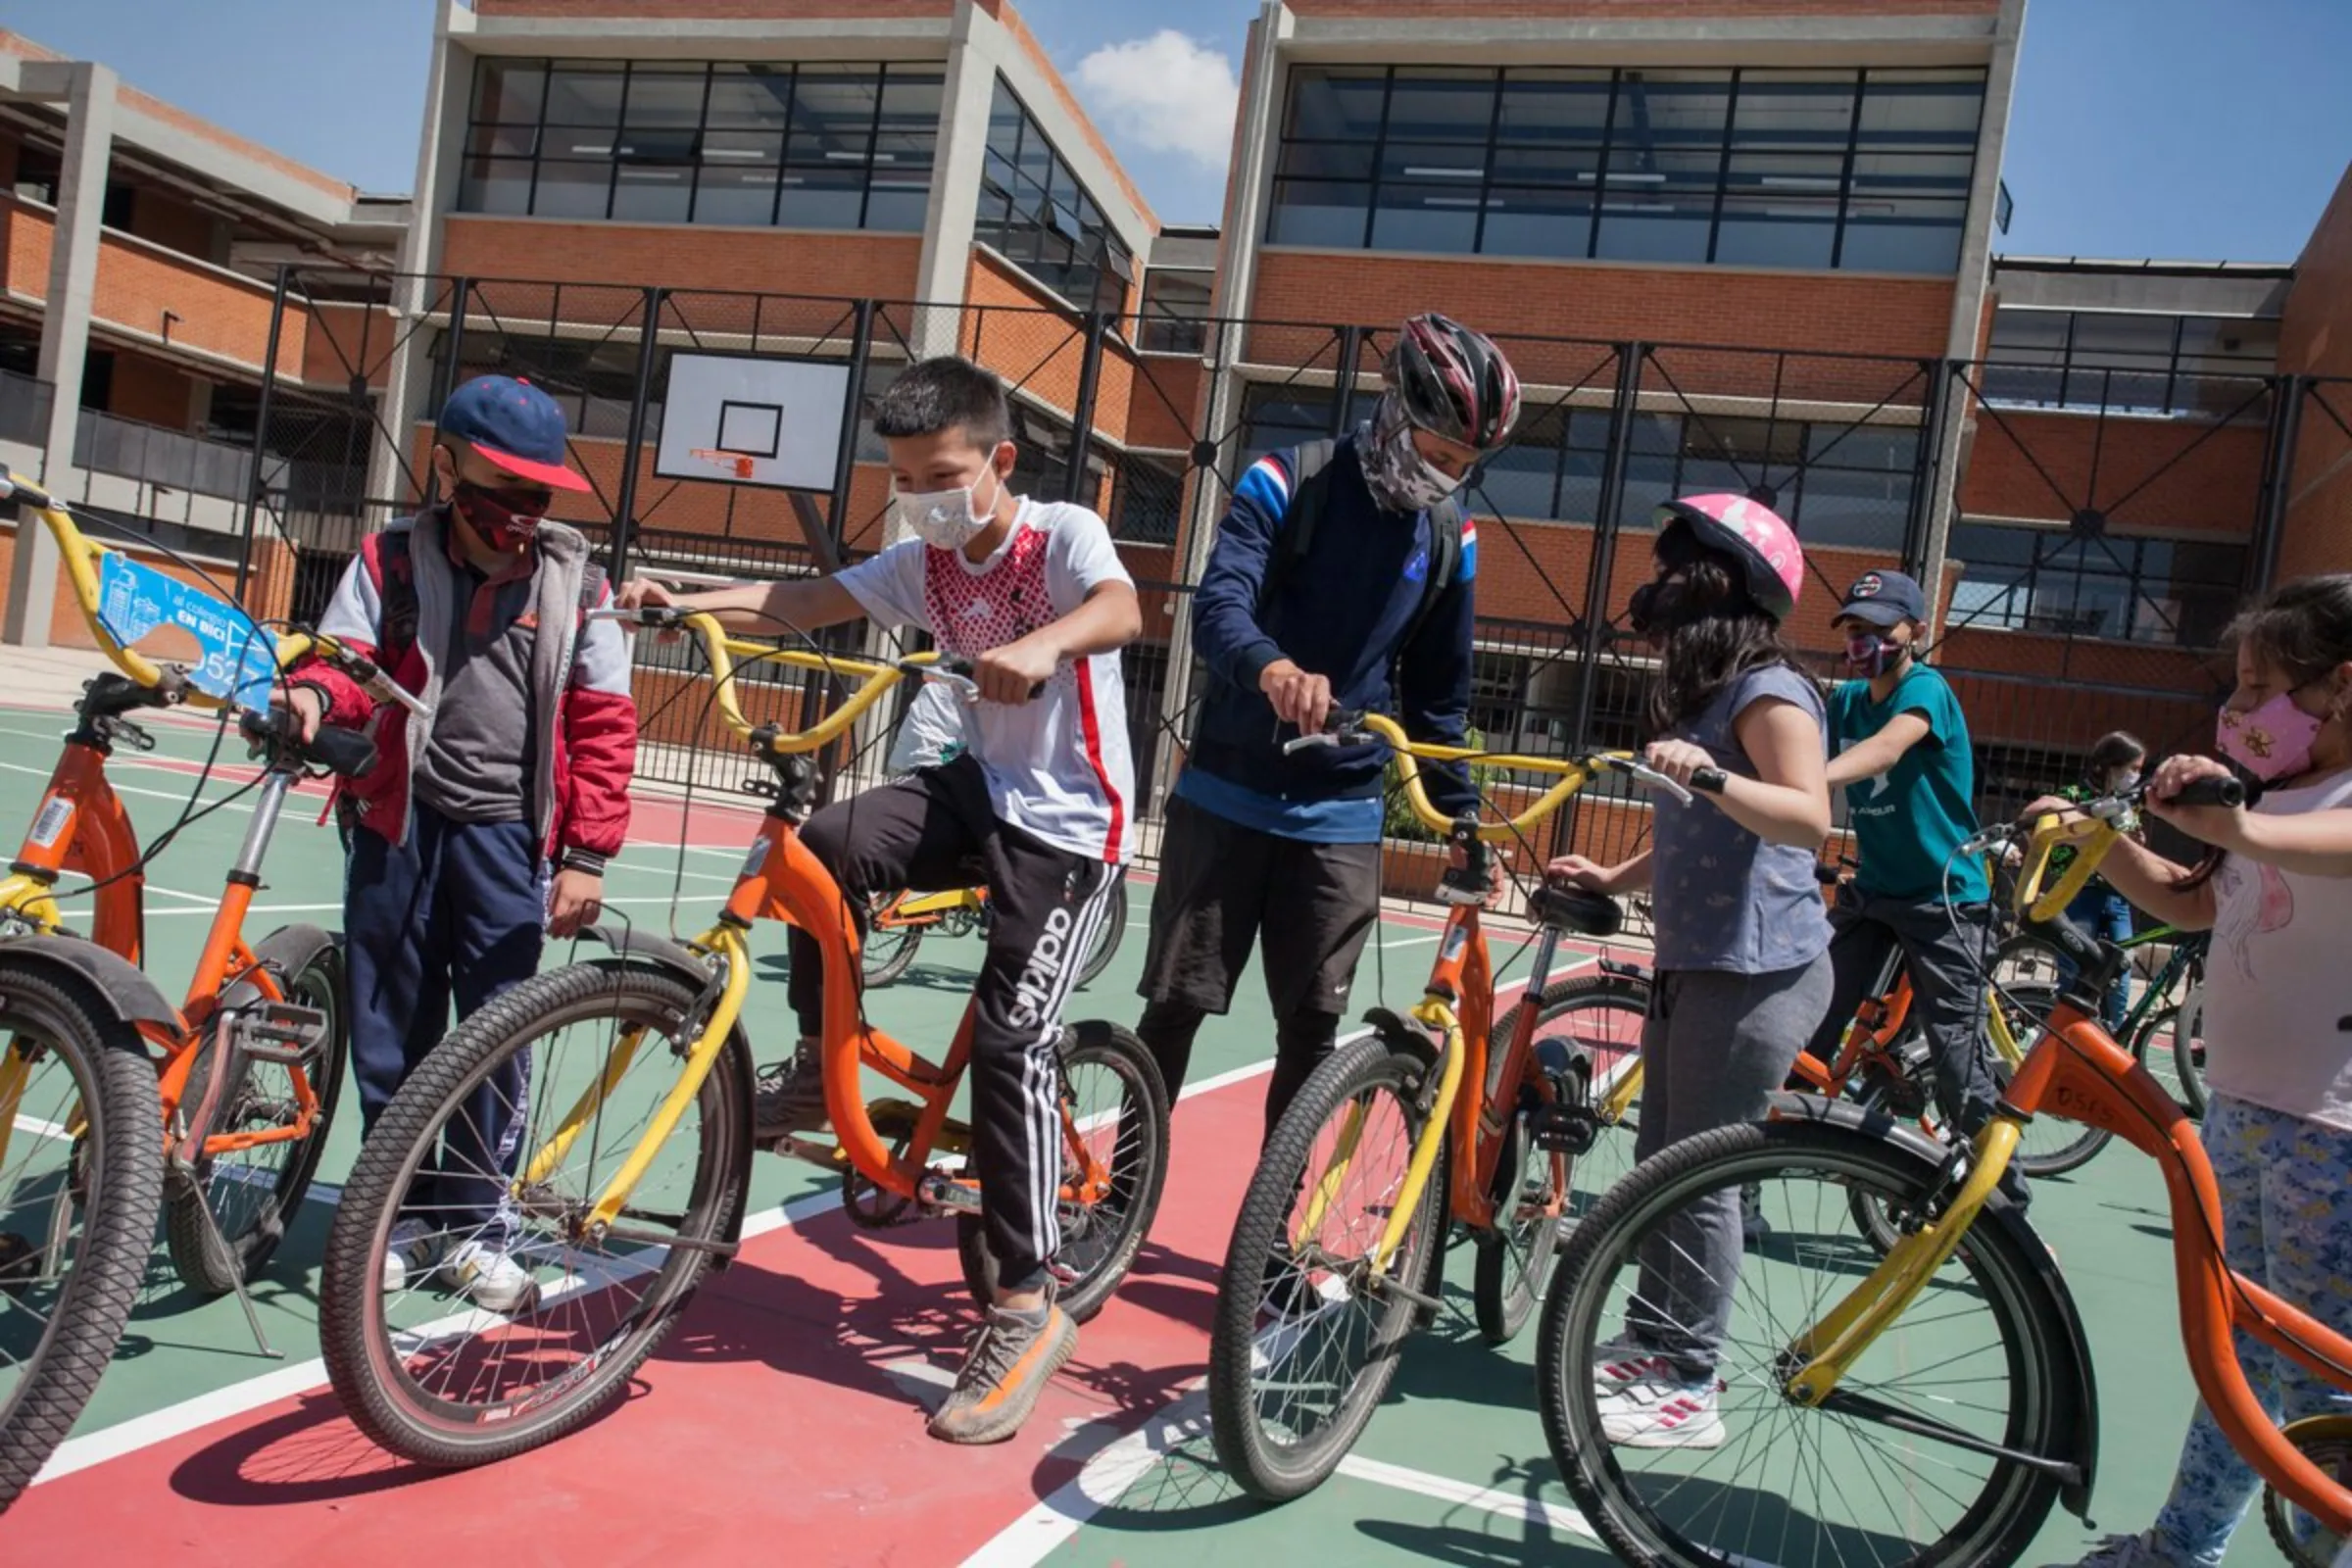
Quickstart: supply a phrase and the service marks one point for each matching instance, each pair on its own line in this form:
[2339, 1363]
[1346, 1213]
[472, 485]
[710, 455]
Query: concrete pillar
[964, 105]
[1973, 284]
[65, 332]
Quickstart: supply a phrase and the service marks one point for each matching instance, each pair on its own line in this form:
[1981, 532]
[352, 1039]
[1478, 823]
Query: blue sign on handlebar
[238, 660]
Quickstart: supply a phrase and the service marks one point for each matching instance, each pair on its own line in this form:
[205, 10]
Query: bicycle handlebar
[1344, 728]
[2092, 828]
[724, 653]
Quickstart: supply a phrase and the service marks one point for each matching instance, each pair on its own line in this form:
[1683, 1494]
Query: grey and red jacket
[395, 605]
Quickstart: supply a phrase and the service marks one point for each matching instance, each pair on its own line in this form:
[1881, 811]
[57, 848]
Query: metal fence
[1875, 460]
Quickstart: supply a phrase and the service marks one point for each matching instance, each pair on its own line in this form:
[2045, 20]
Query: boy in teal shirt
[1900, 752]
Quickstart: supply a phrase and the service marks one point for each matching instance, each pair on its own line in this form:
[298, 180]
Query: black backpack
[1311, 485]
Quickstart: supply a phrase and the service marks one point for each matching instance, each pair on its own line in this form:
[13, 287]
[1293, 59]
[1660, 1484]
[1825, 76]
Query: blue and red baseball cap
[1883, 599]
[513, 424]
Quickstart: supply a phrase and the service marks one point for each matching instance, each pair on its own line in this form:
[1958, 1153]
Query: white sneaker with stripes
[1658, 1408]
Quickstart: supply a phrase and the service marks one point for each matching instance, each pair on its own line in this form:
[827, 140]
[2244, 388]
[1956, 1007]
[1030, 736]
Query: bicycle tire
[1106, 944]
[896, 945]
[2185, 1041]
[305, 966]
[2007, 1270]
[2330, 1449]
[2044, 1152]
[1504, 1287]
[351, 1318]
[1271, 1472]
[1144, 1105]
[114, 1082]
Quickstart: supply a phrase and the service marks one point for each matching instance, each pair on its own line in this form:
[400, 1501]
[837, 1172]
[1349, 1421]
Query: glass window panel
[1522, 479]
[1426, 217]
[572, 189]
[585, 92]
[1004, 120]
[1537, 222]
[2223, 344]
[1661, 109]
[1442, 106]
[1649, 481]
[1553, 107]
[502, 142]
[657, 146]
[495, 186]
[653, 195]
[1796, 178]
[833, 113]
[578, 141]
[1776, 231]
[2032, 337]
[911, 100]
[1337, 105]
[896, 205]
[1062, 186]
[1326, 160]
[1854, 508]
[736, 194]
[1902, 235]
[1793, 109]
[1922, 107]
[1319, 212]
[1580, 488]
[1428, 160]
[1983, 545]
[750, 97]
[1548, 166]
[663, 96]
[823, 197]
[742, 150]
[508, 92]
[1913, 173]
[1879, 448]
[1666, 225]
[904, 152]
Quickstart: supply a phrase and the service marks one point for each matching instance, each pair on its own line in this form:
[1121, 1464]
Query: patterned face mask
[945, 520]
[2271, 740]
[1400, 479]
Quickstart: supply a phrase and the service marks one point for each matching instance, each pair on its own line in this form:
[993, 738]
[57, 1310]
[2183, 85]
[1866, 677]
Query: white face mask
[2124, 778]
[945, 520]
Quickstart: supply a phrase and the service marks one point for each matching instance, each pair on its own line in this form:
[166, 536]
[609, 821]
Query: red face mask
[507, 517]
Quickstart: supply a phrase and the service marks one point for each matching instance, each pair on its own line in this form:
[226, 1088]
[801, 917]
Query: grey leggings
[1714, 1050]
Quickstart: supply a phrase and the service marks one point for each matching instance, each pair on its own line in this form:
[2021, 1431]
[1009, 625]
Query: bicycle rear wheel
[2171, 1045]
[1307, 1336]
[1679, 1458]
[888, 951]
[1587, 1036]
[1106, 944]
[79, 1181]
[255, 1193]
[493, 1319]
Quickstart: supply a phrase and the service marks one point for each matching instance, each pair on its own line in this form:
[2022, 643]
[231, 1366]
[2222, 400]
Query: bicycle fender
[1399, 1033]
[2083, 1436]
[288, 950]
[127, 990]
[643, 947]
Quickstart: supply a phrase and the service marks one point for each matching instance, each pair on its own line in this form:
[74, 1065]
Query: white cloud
[1167, 92]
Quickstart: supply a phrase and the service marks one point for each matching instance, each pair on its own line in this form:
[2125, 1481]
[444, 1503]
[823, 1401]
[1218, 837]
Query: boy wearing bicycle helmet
[1340, 578]
[1902, 757]
[1743, 972]
[1035, 595]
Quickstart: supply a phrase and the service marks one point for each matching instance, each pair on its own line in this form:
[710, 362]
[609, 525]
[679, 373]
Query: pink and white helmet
[1750, 533]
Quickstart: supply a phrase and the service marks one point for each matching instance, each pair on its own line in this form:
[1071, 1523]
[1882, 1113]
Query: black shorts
[1222, 886]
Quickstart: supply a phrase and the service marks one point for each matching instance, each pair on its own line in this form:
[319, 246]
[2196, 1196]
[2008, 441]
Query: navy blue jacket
[1340, 613]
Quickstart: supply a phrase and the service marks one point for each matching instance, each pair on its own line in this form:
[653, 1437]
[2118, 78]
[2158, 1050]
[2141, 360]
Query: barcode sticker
[56, 813]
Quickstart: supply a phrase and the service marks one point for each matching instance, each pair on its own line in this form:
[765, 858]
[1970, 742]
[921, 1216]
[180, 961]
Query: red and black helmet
[1454, 382]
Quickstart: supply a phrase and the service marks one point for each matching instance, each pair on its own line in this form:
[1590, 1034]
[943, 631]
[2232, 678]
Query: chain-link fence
[2087, 553]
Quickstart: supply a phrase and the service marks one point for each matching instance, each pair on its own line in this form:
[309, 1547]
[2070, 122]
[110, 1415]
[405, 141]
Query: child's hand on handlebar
[1014, 672]
[1678, 761]
[1298, 698]
[639, 592]
[308, 708]
[2213, 824]
[1576, 871]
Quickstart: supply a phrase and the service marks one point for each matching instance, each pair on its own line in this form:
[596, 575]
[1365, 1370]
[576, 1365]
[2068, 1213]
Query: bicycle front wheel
[2171, 1045]
[1666, 1344]
[1307, 1331]
[469, 1310]
[79, 1180]
[1588, 1037]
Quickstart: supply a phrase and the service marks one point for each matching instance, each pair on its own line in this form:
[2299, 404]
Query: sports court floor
[783, 1420]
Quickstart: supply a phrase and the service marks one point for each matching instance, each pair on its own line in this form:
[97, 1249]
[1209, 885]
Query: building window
[1147, 498]
[593, 384]
[792, 146]
[1861, 169]
[1175, 314]
[2129, 363]
[2174, 592]
[1034, 213]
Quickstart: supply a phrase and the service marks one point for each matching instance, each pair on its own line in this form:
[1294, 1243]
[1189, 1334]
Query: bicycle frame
[2078, 1072]
[914, 910]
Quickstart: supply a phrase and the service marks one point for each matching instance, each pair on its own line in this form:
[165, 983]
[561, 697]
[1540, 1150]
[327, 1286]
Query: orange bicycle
[896, 928]
[623, 1181]
[1928, 1403]
[240, 1077]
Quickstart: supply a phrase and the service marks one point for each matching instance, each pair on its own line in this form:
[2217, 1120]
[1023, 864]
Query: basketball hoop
[736, 463]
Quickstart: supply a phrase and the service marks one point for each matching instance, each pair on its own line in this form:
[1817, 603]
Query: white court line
[253, 1394]
[321, 909]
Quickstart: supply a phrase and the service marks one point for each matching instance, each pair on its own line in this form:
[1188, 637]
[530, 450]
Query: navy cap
[513, 424]
[1884, 597]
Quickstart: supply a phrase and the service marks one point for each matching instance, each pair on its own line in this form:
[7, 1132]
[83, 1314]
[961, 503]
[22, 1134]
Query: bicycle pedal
[280, 1032]
[1564, 1130]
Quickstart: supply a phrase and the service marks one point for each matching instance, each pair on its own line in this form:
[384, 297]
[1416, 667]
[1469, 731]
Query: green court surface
[1455, 1469]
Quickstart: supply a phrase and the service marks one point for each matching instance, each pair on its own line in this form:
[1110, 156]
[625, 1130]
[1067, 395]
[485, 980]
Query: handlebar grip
[2223, 791]
[14, 487]
[345, 753]
[962, 670]
[1709, 781]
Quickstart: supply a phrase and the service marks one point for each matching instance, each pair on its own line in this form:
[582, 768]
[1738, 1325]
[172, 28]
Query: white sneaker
[1621, 1361]
[1662, 1412]
[414, 1252]
[2129, 1551]
[490, 1278]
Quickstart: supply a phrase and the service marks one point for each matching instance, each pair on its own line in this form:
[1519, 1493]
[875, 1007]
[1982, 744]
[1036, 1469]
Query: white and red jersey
[1057, 766]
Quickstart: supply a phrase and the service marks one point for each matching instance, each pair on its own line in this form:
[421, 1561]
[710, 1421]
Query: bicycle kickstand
[182, 1171]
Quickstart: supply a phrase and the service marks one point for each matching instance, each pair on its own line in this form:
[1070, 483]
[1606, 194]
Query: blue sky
[2188, 129]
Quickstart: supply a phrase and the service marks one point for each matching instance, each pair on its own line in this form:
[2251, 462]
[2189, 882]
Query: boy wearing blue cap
[483, 830]
[1900, 752]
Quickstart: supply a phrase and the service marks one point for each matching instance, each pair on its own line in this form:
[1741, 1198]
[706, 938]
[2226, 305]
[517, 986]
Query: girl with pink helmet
[1742, 940]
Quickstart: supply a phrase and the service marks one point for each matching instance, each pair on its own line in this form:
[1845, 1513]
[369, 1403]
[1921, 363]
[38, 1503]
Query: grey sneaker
[2130, 1552]
[790, 1099]
[1014, 1356]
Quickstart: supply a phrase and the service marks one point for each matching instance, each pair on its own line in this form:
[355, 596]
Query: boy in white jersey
[1033, 593]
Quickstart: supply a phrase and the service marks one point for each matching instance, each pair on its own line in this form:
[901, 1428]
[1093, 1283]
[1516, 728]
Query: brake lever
[1649, 777]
